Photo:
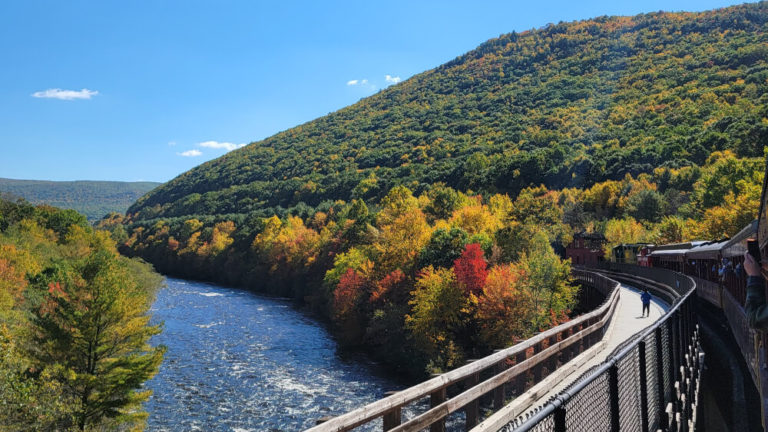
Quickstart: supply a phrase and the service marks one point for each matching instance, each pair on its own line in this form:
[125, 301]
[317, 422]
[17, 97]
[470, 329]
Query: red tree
[471, 269]
[392, 288]
[347, 294]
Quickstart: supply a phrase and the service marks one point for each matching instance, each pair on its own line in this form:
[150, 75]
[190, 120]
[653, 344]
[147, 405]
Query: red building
[586, 248]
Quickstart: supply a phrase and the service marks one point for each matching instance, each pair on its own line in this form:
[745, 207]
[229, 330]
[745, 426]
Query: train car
[644, 256]
[703, 261]
[626, 253]
[672, 256]
[732, 274]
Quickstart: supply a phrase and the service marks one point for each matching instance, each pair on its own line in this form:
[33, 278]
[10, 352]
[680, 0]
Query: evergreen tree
[90, 321]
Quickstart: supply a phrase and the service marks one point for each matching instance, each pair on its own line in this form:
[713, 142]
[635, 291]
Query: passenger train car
[717, 262]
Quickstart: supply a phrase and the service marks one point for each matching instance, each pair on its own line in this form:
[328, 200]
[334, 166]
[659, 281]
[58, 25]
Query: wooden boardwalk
[627, 322]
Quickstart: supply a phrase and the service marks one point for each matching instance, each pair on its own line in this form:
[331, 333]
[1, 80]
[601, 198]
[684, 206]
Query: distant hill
[565, 105]
[92, 198]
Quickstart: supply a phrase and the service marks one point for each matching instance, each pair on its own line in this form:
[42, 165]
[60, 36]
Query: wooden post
[537, 368]
[554, 361]
[580, 345]
[522, 377]
[472, 409]
[393, 417]
[436, 398]
[499, 393]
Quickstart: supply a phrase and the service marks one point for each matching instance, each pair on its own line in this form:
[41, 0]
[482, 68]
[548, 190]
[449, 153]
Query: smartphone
[753, 249]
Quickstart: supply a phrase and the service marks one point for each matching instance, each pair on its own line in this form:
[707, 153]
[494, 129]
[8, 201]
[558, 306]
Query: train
[714, 262]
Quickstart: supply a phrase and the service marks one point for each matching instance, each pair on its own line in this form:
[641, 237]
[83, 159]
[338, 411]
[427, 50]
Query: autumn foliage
[445, 273]
[471, 269]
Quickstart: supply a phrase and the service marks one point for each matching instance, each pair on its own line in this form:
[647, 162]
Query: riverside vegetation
[74, 325]
[425, 220]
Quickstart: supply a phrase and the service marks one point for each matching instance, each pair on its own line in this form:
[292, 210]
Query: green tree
[646, 205]
[91, 321]
[444, 247]
[671, 229]
[549, 282]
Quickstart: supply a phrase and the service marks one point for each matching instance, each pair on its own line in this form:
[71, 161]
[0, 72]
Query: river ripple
[241, 362]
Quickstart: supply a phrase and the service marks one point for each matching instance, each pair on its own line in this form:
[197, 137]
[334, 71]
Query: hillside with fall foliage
[566, 105]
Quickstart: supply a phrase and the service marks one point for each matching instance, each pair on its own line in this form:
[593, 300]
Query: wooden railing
[534, 358]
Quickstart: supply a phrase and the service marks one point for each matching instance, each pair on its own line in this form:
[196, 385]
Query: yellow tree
[437, 311]
[400, 241]
[626, 230]
[727, 220]
[221, 239]
[476, 219]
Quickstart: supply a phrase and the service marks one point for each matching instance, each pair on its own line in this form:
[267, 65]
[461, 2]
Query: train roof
[709, 250]
[668, 253]
[680, 246]
[725, 247]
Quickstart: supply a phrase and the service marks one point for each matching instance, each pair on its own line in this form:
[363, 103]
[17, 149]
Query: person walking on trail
[645, 297]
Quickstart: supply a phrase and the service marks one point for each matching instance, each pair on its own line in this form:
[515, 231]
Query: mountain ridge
[566, 105]
[94, 198]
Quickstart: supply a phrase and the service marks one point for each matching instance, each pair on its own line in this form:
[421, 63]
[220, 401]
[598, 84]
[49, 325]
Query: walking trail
[627, 321]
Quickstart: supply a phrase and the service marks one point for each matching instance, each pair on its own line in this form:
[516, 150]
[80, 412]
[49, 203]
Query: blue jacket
[645, 297]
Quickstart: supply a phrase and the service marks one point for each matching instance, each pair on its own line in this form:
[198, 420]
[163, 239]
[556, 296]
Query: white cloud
[352, 82]
[221, 145]
[65, 94]
[391, 79]
[190, 153]
[364, 82]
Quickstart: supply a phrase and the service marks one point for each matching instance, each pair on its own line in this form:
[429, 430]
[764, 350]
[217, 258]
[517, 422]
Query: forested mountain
[564, 105]
[92, 198]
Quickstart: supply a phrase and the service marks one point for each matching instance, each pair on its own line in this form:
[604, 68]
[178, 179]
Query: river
[240, 362]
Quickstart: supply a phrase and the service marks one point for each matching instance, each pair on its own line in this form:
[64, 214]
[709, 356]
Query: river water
[240, 362]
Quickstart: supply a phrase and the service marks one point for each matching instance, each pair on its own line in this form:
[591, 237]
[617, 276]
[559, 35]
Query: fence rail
[663, 363]
[514, 368]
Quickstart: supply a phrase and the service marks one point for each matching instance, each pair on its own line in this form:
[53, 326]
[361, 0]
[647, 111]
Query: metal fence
[649, 384]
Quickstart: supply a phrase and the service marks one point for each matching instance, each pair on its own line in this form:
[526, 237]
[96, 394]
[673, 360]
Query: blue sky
[145, 90]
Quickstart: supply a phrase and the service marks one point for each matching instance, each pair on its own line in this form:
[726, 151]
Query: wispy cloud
[352, 82]
[171, 143]
[221, 145]
[190, 153]
[57, 93]
[392, 79]
[355, 82]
